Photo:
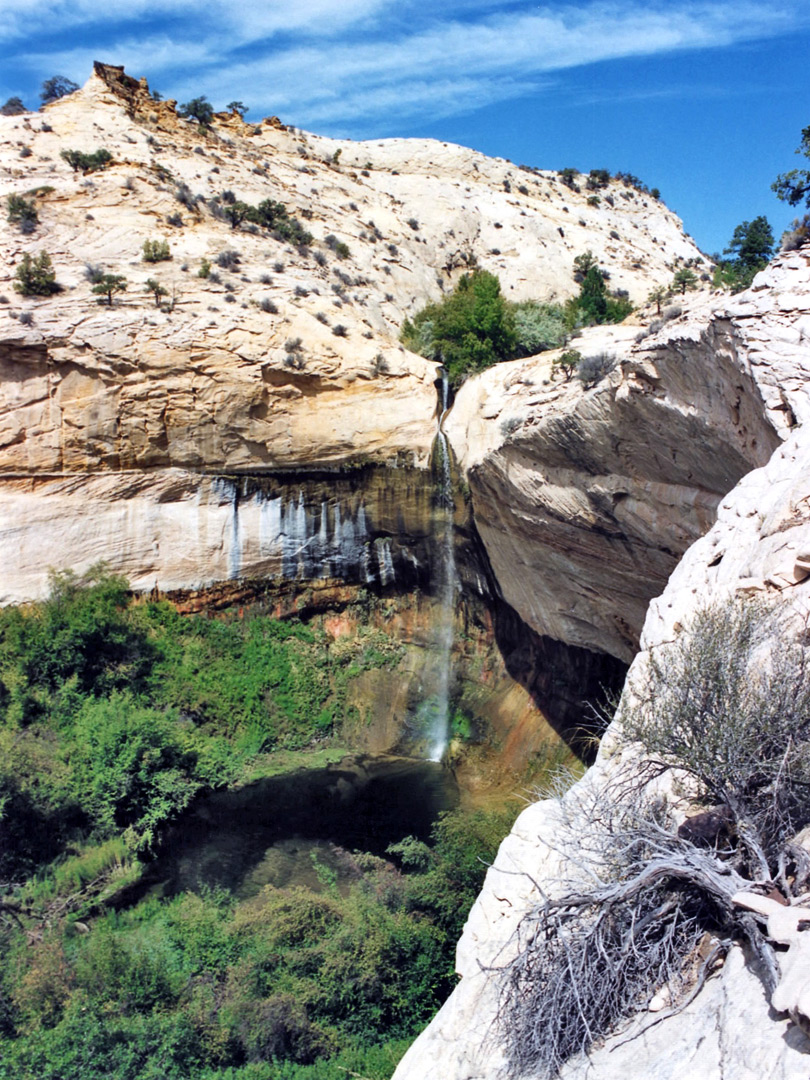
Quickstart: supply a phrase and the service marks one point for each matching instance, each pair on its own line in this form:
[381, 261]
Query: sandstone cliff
[285, 358]
[759, 543]
[586, 499]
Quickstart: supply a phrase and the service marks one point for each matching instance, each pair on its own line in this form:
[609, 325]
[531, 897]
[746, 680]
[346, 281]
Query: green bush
[77, 160]
[156, 251]
[469, 330]
[36, 276]
[199, 109]
[22, 212]
[109, 284]
[538, 327]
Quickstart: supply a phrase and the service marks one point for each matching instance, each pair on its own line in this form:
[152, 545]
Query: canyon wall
[760, 544]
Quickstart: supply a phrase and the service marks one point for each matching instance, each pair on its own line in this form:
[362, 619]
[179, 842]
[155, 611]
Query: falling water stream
[446, 584]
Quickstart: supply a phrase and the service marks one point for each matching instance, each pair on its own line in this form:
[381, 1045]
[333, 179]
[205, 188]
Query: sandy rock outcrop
[760, 542]
[587, 498]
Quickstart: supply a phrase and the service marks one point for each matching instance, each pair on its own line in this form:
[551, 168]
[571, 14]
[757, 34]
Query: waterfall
[446, 583]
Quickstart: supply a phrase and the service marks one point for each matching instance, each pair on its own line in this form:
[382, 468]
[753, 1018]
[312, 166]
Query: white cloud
[347, 61]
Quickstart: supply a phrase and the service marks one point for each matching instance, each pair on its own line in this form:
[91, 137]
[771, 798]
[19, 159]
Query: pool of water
[295, 829]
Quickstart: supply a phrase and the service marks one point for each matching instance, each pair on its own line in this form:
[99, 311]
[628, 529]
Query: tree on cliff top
[751, 249]
[57, 87]
[793, 186]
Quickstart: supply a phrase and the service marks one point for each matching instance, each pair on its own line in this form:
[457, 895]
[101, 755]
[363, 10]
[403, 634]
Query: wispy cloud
[377, 62]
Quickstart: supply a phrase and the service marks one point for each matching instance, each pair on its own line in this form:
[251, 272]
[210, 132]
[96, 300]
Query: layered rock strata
[261, 356]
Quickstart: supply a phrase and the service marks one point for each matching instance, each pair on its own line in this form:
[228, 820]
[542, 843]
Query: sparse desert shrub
[205, 269]
[592, 369]
[322, 318]
[184, 196]
[797, 235]
[26, 152]
[414, 224]
[156, 251]
[301, 291]
[538, 327]
[510, 425]
[230, 298]
[266, 304]
[339, 330]
[727, 703]
[36, 276]
[27, 318]
[379, 365]
[175, 219]
[157, 290]
[228, 259]
[319, 258]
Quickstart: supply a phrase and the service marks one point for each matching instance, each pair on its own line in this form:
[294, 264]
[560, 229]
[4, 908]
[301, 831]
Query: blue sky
[704, 99]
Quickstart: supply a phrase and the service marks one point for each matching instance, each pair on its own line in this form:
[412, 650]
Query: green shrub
[36, 276]
[13, 107]
[469, 330]
[538, 327]
[22, 212]
[156, 251]
[77, 160]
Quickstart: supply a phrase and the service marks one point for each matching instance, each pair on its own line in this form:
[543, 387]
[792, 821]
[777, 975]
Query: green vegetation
[56, 87]
[467, 331]
[156, 251]
[108, 284]
[157, 290]
[36, 276]
[22, 212]
[199, 109]
[684, 279]
[594, 304]
[751, 248]
[77, 160]
[475, 326]
[13, 106]
[113, 717]
[794, 186]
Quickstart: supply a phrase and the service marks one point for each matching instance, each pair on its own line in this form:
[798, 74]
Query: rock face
[761, 543]
[586, 499]
[281, 358]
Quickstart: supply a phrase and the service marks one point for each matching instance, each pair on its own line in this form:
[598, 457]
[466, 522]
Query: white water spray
[439, 706]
